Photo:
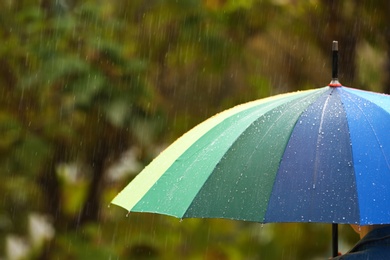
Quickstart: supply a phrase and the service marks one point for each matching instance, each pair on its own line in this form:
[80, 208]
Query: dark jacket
[374, 245]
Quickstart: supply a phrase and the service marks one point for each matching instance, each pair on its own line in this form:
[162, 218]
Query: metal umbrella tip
[335, 46]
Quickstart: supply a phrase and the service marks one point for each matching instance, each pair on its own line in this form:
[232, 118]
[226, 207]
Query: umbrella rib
[319, 138]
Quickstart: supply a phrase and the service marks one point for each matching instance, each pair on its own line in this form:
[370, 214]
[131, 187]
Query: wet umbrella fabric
[319, 155]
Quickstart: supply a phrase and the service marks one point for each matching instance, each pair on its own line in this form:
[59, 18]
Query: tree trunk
[91, 207]
[48, 182]
[99, 156]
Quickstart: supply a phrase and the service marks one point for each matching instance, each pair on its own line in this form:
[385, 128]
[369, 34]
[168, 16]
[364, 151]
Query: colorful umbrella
[319, 155]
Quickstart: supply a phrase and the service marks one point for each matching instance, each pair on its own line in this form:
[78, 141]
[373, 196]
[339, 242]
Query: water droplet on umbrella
[127, 215]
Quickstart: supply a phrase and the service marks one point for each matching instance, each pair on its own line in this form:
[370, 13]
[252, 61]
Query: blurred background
[91, 91]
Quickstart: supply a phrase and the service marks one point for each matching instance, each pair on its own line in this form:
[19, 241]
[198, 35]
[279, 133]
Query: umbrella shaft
[335, 234]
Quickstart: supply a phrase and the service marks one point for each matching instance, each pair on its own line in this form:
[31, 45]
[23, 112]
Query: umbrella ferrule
[335, 66]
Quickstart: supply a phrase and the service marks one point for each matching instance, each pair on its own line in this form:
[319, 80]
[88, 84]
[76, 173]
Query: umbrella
[320, 155]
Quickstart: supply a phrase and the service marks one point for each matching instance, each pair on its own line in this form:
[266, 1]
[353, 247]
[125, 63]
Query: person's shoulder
[355, 256]
[375, 252]
[352, 256]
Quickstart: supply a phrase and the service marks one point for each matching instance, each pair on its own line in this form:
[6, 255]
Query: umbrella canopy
[319, 155]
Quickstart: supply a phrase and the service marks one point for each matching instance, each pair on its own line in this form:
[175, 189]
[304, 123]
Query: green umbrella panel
[183, 180]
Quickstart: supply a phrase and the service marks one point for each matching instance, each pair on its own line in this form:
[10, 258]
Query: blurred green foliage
[82, 82]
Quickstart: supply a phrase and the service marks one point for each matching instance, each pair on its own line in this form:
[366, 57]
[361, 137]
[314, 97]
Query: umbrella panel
[369, 123]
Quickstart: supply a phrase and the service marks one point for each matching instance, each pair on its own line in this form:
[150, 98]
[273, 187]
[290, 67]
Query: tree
[82, 82]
